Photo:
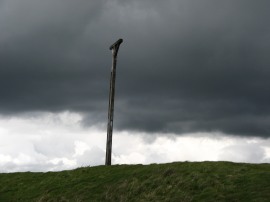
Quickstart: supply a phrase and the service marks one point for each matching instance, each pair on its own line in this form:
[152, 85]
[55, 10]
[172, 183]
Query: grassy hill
[183, 181]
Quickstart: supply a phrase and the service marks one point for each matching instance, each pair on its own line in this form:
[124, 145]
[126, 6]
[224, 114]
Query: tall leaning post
[114, 48]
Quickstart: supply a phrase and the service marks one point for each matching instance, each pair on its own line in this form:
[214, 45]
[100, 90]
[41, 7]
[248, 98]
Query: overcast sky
[190, 73]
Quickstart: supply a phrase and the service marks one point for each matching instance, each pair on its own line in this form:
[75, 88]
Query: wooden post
[114, 48]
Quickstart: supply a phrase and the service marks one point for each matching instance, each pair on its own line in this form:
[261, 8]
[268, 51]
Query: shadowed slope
[183, 181]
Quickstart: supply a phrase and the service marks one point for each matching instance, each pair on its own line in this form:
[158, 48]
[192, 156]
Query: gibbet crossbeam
[114, 48]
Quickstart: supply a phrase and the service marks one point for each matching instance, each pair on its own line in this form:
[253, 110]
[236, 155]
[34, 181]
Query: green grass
[183, 181]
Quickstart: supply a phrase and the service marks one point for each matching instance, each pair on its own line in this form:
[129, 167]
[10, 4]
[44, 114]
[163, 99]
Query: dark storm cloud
[185, 66]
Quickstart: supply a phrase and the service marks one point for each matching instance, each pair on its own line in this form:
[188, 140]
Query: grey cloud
[94, 156]
[184, 66]
[253, 153]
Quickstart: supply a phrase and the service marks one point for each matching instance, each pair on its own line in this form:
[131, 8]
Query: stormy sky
[185, 66]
